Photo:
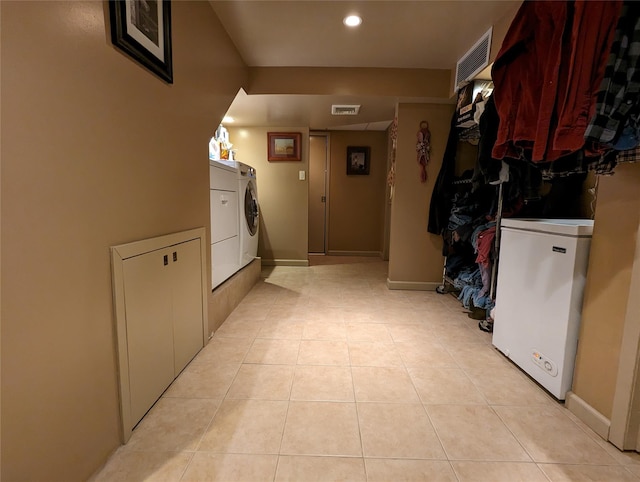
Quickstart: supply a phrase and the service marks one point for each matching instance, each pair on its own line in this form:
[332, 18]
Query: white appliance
[541, 276]
[225, 239]
[249, 213]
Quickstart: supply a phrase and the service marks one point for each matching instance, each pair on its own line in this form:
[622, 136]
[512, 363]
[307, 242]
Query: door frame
[327, 177]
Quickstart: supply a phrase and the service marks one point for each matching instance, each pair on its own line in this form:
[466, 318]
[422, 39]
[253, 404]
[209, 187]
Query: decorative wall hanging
[358, 160]
[142, 30]
[391, 175]
[423, 147]
[283, 146]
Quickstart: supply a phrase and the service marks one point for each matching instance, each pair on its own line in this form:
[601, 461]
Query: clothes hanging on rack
[546, 75]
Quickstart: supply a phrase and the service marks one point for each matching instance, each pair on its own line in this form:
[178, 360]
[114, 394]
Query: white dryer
[249, 213]
[225, 238]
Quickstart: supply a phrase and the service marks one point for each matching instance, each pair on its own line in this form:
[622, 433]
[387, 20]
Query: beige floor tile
[603, 473]
[206, 466]
[368, 332]
[498, 472]
[286, 313]
[321, 428]
[263, 382]
[444, 386]
[459, 333]
[200, 380]
[471, 355]
[223, 350]
[634, 469]
[320, 469]
[286, 330]
[383, 384]
[402, 316]
[425, 353]
[322, 383]
[387, 470]
[474, 432]
[366, 314]
[239, 328]
[323, 352]
[410, 332]
[148, 466]
[324, 315]
[507, 386]
[173, 424]
[248, 311]
[374, 354]
[551, 437]
[398, 430]
[246, 426]
[273, 352]
[324, 330]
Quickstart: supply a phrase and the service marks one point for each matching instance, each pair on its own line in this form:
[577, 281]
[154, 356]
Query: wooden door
[318, 154]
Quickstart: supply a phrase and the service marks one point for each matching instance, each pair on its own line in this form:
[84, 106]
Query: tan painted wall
[96, 152]
[416, 255]
[356, 203]
[282, 197]
[607, 289]
[350, 81]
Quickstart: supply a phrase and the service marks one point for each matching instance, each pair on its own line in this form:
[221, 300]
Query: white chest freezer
[541, 275]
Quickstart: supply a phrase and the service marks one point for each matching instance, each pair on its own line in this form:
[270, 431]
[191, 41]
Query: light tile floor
[323, 374]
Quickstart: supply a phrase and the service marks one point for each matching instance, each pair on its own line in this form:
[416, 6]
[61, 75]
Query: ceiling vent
[476, 59]
[345, 109]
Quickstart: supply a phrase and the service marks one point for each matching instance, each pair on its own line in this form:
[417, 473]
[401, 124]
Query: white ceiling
[394, 34]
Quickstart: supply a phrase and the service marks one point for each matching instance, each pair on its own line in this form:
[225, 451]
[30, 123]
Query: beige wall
[415, 255]
[356, 203]
[607, 290]
[96, 152]
[283, 199]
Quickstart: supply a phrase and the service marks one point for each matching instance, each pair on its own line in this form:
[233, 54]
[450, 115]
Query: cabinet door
[188, 337]
[147, 293]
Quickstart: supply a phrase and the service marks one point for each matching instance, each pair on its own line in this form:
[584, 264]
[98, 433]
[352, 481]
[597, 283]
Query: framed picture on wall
[283, 146]
[358, 160]
[142, 30]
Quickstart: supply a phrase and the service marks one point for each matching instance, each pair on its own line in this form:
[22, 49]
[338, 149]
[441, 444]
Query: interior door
[318, 156]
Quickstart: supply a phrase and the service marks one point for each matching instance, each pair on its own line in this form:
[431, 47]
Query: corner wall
[356, 203]
[283, 199]
[415, 256]
[96, 151]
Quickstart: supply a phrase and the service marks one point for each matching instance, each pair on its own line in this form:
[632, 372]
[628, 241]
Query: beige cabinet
[161, 320]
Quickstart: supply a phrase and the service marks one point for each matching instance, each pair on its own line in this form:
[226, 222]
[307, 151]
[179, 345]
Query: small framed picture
[283, 146]
[358, 160]
[142, 30]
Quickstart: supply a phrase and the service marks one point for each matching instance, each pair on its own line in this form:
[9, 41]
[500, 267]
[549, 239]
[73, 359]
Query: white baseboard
[355, 253]
[589, 415]
[413, 285]
[285, 262]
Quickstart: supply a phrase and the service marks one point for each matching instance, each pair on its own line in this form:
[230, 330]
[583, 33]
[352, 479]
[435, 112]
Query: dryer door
[251, 213]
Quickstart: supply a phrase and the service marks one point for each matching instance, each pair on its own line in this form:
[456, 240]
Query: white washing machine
[225, 237]
[249, 213]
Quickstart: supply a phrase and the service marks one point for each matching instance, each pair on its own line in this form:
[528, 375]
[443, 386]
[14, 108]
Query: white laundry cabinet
[159, 291]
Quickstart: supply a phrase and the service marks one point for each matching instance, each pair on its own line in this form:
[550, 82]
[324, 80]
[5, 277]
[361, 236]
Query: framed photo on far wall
[283, 146]
[358, 160]
[142, 30]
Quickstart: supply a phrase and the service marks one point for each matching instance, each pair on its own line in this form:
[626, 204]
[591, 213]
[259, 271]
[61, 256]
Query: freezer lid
[566, 227]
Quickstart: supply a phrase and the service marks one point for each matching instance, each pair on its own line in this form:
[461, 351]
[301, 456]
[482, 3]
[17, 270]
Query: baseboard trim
[285, 262]
[412, 285]
[355, 253]
[589, 415]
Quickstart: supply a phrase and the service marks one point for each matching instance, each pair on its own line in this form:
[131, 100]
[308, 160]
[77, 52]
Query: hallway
[322, 373]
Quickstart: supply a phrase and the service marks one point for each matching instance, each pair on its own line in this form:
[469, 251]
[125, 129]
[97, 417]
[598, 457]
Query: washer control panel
[544, 363]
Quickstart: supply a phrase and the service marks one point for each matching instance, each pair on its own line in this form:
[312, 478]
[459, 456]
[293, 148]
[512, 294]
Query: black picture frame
[142, 30]
[358, 160]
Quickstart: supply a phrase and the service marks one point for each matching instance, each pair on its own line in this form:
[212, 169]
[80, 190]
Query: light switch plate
[301, 175]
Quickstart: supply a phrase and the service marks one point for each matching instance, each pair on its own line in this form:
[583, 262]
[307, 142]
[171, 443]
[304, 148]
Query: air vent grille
[345, 109]
[476, 59]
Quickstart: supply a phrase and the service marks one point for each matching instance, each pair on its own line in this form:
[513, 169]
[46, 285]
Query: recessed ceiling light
[352, 21]
[227, 119]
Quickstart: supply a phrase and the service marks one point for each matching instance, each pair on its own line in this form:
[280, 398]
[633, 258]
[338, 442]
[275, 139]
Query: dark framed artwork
[283, 146]
[142, 30]
[358, 160]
